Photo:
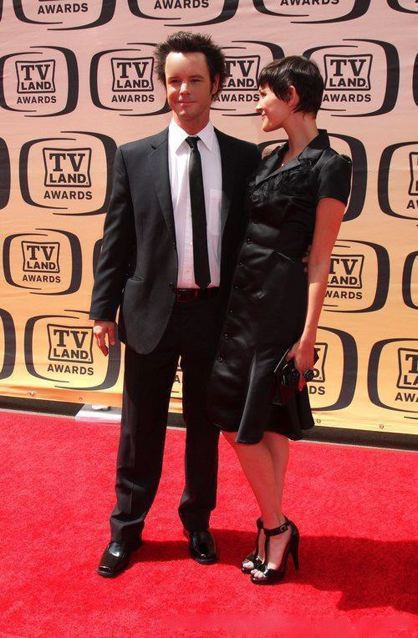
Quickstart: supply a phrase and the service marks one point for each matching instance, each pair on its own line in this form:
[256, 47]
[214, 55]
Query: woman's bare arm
[329, 215]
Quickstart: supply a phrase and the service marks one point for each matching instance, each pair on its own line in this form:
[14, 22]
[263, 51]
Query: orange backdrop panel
[78, 78]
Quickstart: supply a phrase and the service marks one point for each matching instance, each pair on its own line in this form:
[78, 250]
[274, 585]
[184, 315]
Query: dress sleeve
[334, 178]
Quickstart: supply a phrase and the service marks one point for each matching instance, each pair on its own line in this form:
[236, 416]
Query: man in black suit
[175, 221]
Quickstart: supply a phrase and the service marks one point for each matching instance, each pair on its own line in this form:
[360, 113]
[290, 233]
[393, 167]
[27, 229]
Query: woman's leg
[278, 446]
[258, 462]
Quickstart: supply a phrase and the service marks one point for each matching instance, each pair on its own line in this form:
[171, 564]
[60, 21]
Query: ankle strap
[277, 530]
[259, 523]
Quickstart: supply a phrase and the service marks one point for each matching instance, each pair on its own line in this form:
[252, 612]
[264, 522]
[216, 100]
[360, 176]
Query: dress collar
[311, 152]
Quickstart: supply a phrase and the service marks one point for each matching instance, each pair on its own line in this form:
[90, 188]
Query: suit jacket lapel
[228, 174]
[161, 178]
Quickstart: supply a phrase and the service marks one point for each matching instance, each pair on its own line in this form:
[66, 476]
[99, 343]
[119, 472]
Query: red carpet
[355, 507]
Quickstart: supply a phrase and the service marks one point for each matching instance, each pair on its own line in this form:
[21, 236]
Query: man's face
[189, 89]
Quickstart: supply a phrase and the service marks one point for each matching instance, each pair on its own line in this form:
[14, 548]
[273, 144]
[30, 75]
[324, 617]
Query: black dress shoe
[116, 558]
[202, 546]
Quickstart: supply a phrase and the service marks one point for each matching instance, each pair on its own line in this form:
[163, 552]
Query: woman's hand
[303, 354]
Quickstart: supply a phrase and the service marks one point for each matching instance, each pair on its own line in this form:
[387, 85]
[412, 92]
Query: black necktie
[197, 201]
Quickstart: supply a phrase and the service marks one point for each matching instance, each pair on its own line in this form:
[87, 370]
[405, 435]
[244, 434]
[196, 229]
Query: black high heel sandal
[253, 557]
[270, 575]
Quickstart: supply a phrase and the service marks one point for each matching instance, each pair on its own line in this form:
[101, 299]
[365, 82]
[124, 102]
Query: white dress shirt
[178, 161]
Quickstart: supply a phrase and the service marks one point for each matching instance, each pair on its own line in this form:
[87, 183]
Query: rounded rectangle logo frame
[359, 8]
[226, 12]
[68, 351]
[66, 173]
[8, 361]
[400, 379]
[351, 72]
[64, 11]
[42, 265]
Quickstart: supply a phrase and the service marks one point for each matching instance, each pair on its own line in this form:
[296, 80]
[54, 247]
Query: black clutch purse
[287, 379]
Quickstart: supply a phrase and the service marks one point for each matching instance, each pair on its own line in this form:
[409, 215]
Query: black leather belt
[193, 294]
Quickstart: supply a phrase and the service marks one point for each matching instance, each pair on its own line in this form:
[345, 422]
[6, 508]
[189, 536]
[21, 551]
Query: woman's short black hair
[186, 42]
[300, 72]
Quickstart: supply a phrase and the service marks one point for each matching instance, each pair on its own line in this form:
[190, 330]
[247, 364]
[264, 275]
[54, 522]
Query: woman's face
[272, 109]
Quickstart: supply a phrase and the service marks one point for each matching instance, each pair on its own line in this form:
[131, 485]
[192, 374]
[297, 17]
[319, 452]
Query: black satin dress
[267, 306]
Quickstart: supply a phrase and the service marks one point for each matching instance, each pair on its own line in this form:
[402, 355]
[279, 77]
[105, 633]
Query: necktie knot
[192, 142]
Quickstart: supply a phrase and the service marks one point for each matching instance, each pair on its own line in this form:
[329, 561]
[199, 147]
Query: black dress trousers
[191, 335]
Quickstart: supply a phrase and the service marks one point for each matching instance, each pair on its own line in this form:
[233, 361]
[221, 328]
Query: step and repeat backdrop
[77, 79]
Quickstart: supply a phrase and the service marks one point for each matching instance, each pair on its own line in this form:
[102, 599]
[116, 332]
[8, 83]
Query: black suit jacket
[137, 267]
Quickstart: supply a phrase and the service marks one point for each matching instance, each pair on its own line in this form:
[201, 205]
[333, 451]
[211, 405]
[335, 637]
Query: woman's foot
[256, 558]
[280, 542]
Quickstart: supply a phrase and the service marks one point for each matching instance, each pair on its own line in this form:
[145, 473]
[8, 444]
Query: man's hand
[101, 330]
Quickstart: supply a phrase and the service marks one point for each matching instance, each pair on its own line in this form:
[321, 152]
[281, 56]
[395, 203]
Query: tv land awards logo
[354, 85]
[70, 174]
[355, 149]
[243, 62]
[359, 277]
[131, 74]
[314, 11]
[66, 354]
[398, 180]
[348, 73]
[410, 281]
[406, 6]
[69, 167]
[45, 262]
[184, 13]
[70, 345]
[393, 375]
[39, 83]
[413, 184]
[7, 344]
[124, 80]
[5, 174]
[333, 385]
[36, 76]
[65, 16]
[321, 349]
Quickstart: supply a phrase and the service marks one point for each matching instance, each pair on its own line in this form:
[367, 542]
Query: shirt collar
[177, 135]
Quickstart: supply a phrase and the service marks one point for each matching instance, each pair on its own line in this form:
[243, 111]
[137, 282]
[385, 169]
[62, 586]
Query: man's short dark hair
[300, 72]
[186, 42]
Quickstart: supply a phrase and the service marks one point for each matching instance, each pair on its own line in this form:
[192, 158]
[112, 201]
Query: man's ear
[215, 85]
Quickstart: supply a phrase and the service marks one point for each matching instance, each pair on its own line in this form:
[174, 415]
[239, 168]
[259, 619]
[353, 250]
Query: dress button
[220, 359]
[248, 240]
[230, 311]
[236, 287]
[171, 285]
[240, 263]
[226, 335]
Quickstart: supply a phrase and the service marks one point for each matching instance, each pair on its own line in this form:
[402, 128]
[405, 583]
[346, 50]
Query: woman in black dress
[296, 199]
